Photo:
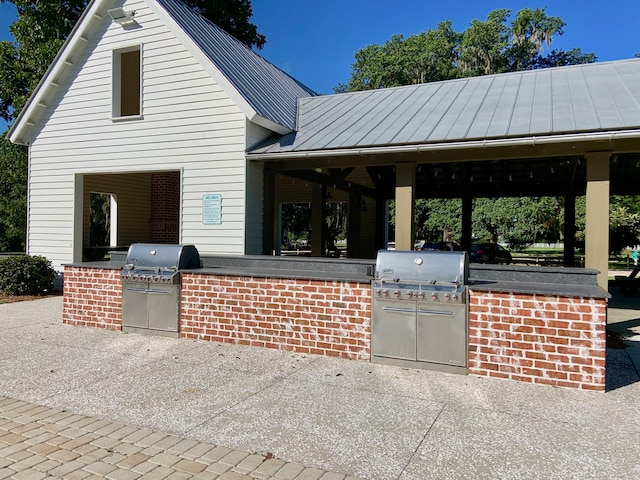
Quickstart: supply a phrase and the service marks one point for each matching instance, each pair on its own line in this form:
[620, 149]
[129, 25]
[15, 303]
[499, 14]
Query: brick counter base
[92, 298]
[553, 340]
[330, 318]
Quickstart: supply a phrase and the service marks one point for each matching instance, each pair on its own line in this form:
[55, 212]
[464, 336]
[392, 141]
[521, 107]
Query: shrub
[26, 275]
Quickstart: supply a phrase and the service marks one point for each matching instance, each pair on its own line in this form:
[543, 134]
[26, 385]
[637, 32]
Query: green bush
[26, 275]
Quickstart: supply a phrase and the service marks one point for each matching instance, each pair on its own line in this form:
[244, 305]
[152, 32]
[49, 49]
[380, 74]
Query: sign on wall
[212, 209]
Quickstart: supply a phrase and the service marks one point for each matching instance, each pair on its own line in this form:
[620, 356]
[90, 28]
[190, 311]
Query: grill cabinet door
[393, 329]
[163, 304]
[442, 334]
[134, 305]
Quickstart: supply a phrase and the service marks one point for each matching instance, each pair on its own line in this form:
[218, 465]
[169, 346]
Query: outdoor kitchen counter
[576, 282]
[310, 268]
[281, 273]
[564, 281]
[239, 271]
[105, 265]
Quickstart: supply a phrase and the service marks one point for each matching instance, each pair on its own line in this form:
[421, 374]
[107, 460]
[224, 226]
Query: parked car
[442, 246]
[489, 253]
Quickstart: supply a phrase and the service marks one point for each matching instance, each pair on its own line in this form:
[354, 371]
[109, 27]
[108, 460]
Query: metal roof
[272, 93]
[589, 98]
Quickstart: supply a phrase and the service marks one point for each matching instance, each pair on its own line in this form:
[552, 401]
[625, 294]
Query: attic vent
[119, 16]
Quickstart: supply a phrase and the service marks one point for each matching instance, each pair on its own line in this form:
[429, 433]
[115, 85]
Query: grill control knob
[454, 297]
[446, 297]
[409, 294]
[396, 293]
[156, 278]
[434, 296]
[420, 295]
[385, 293]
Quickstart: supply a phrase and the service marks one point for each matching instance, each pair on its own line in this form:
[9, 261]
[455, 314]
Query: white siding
[189, 124]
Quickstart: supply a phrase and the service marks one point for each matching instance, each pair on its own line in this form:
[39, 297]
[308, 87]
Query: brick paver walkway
[38, 442]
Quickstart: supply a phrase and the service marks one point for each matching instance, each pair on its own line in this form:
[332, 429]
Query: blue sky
[314, 41]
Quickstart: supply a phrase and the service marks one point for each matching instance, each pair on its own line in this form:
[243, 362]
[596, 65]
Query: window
[126, 83]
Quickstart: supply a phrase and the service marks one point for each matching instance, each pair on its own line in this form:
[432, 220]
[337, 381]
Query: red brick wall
[165, 207]
[532, 338]
[541, 339]
[92, 298]
[308, 316]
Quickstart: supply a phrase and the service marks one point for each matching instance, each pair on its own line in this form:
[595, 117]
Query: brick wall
[92, 298]
[308, 316]
[165, 207]
[553, 340]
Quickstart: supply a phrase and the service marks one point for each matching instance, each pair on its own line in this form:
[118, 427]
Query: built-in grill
[151, 286]
[420, 310]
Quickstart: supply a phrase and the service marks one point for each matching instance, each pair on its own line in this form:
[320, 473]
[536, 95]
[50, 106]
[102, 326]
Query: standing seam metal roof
[576, 99]
[272, 93]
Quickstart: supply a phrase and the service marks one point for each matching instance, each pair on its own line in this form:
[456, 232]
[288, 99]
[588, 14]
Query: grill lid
[149, 255]
[422, 267]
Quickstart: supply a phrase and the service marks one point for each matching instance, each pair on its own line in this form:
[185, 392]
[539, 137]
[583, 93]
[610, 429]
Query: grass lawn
[554, 257]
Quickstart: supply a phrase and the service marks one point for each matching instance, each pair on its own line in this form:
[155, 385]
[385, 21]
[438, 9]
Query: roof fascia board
[608, 136]
[215, 73]
[18, 133]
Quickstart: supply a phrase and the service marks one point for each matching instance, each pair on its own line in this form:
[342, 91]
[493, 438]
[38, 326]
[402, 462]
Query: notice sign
[212, 209]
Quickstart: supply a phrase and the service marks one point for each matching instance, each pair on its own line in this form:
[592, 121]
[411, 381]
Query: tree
[39, 33]
[233, 17]
[426, 57]
[518, 221]
[485, 47]
[531, 30]
[438, 219]
[561, 58]
[13, 197]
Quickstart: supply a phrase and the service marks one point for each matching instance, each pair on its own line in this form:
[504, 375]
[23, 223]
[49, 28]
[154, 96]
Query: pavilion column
[405, 195]
[353, 229]
[268, 227]
[318, 209]
[569, 230]
[381, 222]
[467, 211]
[78, 218]
[597, 216]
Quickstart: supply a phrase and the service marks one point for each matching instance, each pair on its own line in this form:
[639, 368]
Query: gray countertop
[282, 273]
[572, 282]
[562, 289]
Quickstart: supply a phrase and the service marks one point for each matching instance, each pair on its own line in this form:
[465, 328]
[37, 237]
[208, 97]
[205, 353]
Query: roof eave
[269, 124]
[532, 141]
[19, 130]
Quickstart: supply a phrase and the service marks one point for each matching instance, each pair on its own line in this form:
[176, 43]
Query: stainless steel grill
[420, 310]
[151, 286]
